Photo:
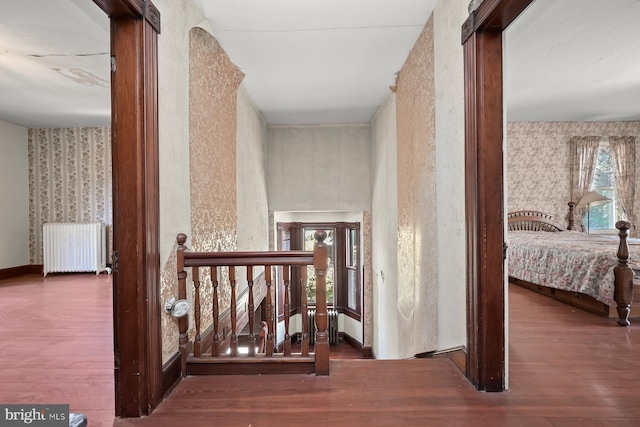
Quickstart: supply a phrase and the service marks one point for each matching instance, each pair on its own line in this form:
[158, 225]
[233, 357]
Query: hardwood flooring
[56, 343]
[568, 368]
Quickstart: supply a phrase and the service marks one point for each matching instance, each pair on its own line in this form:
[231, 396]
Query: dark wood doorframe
[483, 57]
[135, 25]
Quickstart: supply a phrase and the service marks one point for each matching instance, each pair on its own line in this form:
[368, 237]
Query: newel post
[183, 322]
[322, 336]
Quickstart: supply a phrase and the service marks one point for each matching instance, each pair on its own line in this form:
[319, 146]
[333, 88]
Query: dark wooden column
[135, 25]
[482, 40]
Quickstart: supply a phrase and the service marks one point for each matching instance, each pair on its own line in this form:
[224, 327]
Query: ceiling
[326, 61]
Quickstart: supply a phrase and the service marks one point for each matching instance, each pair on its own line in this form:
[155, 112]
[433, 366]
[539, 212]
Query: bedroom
[538, 152]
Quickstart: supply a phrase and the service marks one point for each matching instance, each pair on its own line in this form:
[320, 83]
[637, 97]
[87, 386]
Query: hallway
[567, 368]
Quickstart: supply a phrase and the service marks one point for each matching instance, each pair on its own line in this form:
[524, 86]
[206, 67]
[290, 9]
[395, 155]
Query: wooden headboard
[533, 221]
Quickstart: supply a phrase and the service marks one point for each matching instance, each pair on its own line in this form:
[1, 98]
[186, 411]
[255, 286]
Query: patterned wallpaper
[367, 297]
[538, 162]
[213, 86]
[69, 180]
[417, 284]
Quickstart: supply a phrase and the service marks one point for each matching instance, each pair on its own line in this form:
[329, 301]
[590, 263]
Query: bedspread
[571, 261]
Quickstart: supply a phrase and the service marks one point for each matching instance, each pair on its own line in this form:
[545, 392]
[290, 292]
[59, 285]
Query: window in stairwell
[344, 271]
[309, 242]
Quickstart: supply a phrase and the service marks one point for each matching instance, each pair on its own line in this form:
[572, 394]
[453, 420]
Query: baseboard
[457, 355]
[23, 270]
[367, 353]
[171, 374]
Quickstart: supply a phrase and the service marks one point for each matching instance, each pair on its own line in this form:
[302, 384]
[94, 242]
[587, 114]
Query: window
[344, 269]
[309, 242]
[603, 217]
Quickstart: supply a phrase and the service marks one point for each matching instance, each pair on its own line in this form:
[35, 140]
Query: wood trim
[131, 8]
[367, 353]
[134, 111]
[171, 374]
[343, 336]
[458, 357]
[482, 40]
[575, 299]
[22, 270]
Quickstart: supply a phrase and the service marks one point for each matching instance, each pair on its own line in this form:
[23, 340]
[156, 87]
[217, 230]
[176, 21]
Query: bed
[591, 271]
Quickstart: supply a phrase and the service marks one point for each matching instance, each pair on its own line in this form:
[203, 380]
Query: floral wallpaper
[538, 174]
[69, 180]
[417, 221]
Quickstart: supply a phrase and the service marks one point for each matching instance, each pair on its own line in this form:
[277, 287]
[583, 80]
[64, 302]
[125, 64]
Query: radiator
[332, 326]
[74, 247]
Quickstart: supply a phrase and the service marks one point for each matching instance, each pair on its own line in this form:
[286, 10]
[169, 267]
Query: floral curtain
[583, 150]
[624, 156]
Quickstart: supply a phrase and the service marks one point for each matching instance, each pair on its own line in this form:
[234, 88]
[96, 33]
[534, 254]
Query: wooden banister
[238, 315]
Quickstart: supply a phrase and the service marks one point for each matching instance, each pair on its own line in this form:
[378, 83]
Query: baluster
[183, 322]
[269, 346]
[252, 335]
[196, 308]
[287, 309]
[305, 311]
[322, 336]
[234, 308]
[215, 346]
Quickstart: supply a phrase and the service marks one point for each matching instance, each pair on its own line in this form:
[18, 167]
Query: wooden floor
[567, 368]
[56, 343]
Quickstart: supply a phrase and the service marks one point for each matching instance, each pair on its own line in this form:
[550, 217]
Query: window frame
[296, 231]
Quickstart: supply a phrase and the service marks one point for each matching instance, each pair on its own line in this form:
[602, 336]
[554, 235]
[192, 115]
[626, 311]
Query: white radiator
[332, 325]
[71, 247]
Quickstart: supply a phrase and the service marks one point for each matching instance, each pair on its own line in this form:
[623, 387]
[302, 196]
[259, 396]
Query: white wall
[322, 167]
[384, 214]
[178, 17]
[14, 193]
[449, 16]
[251, 176]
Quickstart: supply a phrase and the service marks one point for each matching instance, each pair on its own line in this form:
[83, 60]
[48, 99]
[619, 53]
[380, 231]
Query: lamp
[590, 199]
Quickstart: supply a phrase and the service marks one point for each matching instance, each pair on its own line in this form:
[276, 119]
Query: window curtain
[624, 156]
[583, 150]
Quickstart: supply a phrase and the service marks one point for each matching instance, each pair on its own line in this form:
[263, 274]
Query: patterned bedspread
[568, 260]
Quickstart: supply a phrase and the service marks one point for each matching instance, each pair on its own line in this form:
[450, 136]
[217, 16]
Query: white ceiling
[326, 61]
[54, 63]
[574, 60]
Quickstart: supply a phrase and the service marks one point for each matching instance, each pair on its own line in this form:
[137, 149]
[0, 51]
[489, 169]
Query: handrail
[267, 259]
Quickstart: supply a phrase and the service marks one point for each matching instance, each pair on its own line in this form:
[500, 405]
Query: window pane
[352, 248]
[309, 242]
[353, 289]
[603, 216]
